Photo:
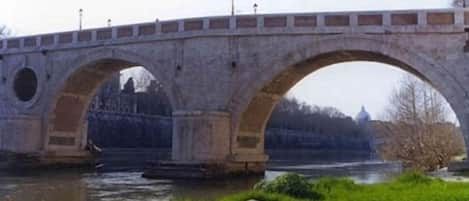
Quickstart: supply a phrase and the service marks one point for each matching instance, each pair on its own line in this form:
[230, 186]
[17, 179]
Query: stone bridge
[223, 75]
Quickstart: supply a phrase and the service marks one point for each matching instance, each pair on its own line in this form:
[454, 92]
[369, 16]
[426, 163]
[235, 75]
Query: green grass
[260, 196]
[410, 186]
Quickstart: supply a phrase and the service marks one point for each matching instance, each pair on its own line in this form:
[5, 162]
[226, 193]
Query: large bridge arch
[65, 111]
[259, 93]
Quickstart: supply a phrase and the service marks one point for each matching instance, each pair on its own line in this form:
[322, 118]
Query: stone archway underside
[255, 117]
[66, 120]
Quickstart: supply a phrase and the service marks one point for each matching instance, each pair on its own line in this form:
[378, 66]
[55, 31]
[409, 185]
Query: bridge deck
[368, 22]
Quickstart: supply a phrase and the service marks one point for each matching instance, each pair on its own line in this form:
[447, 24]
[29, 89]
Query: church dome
[363, 116]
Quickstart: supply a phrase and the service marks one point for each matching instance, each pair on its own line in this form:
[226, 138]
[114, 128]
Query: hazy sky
[346, 86]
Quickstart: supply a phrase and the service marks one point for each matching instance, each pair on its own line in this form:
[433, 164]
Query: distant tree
[418, 132]
[458, 3]
[4, 31]
[337, 130]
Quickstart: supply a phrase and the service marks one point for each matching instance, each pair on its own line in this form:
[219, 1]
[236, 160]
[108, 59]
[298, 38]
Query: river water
[130, 186]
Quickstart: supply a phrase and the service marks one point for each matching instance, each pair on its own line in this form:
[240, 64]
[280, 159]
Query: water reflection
[130, 186]
[361, 172]
[125, 186]
[43, 188]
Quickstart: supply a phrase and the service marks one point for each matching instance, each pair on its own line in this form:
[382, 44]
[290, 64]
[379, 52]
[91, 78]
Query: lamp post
[255, 8]
[80, 14]
[108, 22]
[232, 8]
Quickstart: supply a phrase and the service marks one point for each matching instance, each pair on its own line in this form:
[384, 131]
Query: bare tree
[4, 32]
[418, 132]
[458, 3]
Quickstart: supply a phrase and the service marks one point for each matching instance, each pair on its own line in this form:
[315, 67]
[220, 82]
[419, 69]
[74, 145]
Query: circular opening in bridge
[25, 84]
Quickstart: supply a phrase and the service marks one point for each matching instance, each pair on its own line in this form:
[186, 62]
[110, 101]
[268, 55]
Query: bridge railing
[436, 20]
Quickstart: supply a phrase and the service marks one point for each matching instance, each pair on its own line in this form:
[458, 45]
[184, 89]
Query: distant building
[363, 120]
[110, 97]
[363, 117]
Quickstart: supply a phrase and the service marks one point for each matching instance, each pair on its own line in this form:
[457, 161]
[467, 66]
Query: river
[130, 186]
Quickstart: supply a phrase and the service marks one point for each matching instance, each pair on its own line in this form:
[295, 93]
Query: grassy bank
[410, 186]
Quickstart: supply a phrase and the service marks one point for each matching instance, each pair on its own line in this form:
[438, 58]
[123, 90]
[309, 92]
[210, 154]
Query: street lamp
[108, 22]
[255, 8]
[232, 8]
[80, 14]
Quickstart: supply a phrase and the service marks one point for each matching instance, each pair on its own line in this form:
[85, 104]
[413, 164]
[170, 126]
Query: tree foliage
[297, 125]
[290, 184]
[418, 132]
[294, 115]
[4, 31]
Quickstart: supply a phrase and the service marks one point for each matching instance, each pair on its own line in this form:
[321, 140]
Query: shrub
[327, 184]
[258, 196]
[290, 184]
[414, 177]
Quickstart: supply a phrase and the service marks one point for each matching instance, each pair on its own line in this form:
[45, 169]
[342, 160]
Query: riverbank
[54, 185]
[410, 186]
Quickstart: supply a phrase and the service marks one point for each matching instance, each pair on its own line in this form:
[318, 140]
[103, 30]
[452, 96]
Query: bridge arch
[65, 127]
[257, 97]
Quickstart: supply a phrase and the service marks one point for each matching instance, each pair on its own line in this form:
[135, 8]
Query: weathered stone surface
[337, 20]
[20, 134]
[248, 141]
[220, 23]
[47, 40]
[375, 19]
[246, 22]
[305, 21]
[125, 32]
[200, 136]
[57, 140]
[169, 27]
[68, 111]
[13, 43]
[193, 25]
[104, 34]
[65, 38]
[404, 19]
[30, 42]
[223, 80]
[466, 18]
[147, 29]
[275, 21]
[84, 36]
[440, 18]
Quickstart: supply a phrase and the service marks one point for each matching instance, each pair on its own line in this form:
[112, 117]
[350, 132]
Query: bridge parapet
[369, 22]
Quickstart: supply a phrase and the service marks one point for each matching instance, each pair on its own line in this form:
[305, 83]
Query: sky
[345, 86]
[349, 86]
